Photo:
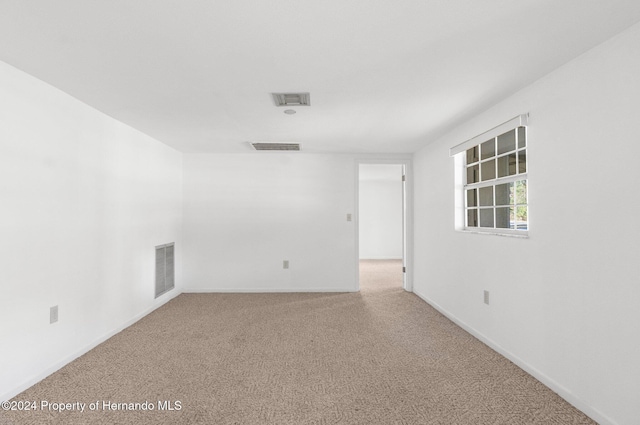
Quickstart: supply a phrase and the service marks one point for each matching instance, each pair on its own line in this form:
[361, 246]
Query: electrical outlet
[486, 297]
[285, 264]
[53, 314]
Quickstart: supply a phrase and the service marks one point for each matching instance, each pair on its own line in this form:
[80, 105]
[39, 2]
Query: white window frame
[461, 186]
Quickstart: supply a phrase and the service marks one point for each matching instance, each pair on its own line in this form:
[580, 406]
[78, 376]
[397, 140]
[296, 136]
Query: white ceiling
[384, 76]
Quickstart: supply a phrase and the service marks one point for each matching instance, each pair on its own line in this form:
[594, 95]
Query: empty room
[330, 212]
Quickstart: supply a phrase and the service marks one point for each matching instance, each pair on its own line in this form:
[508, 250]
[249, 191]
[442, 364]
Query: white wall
[380, 211]
[565, 303]
[84, 201]
[246, 213]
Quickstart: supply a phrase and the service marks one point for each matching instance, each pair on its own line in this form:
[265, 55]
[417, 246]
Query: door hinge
[404, 178]
[404, 270]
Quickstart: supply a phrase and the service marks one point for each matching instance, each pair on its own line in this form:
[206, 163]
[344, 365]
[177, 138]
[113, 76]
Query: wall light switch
[486, 297]
[285, 264]
[348, 217]
[53, 314]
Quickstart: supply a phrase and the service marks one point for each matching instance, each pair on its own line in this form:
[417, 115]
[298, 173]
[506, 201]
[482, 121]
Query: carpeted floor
[381, 356]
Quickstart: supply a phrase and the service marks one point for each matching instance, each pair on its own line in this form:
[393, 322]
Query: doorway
[382, 219]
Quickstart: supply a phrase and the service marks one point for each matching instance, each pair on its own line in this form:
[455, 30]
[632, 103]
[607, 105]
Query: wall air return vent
[165, 268]
[261, 146]
[291, 99]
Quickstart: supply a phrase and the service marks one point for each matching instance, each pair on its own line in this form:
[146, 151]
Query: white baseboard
[263, 290]
[531, 370]
[65, 361]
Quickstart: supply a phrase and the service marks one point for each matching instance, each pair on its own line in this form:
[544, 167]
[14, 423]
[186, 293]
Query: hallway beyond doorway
[380, 275]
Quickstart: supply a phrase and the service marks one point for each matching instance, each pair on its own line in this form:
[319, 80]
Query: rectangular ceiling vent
[291, 99]
[261, 146]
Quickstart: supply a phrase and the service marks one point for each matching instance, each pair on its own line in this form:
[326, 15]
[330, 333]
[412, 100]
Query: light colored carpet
[381, 356]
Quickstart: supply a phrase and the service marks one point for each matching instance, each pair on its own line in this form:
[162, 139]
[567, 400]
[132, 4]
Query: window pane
[488, 149]
[507, 142]
[512, 164]
[472, 218]
[507, 165]
[504, 194]
[521, 192]
[486, 196]
[472, 198]
[522, 137]
[521, 218]
[512, 217]
[473, 174]
[522, 161]
[488, 170]
[486, 217]
[503, 166]
[472, 155]
[502, 218]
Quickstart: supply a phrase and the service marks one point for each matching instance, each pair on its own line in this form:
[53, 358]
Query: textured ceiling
[384, 76]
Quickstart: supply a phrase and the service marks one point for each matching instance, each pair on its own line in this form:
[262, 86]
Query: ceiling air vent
[276, 146]
[291, 99]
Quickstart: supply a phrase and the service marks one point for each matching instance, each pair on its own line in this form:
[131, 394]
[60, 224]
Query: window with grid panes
[496, 183]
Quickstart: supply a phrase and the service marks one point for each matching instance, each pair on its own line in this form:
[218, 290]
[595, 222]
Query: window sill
[519, 235]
